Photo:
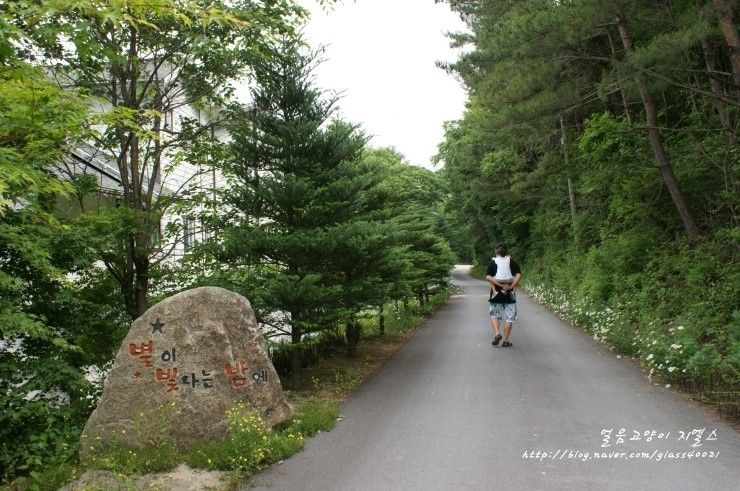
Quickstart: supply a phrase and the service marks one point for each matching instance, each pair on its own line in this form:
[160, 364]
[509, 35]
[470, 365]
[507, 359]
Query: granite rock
[182, 366]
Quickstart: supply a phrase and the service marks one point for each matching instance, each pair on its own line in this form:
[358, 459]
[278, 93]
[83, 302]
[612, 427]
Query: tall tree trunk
[727, 19]
[353, 336]
[717, 90]
[656, 142]
[571, 190]
[381, 320]
[296, 354]
[621, 88]
[128, 290]
[141, 279]
[141, 297]
[725, 117]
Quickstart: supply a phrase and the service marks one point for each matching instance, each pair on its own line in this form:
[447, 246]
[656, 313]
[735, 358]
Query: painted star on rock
[157, 326]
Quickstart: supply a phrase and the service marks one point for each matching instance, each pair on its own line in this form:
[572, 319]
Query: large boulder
[183, 365]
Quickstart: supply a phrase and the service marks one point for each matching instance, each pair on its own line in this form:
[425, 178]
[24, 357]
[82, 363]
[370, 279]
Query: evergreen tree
[294, 195]
[412, 204]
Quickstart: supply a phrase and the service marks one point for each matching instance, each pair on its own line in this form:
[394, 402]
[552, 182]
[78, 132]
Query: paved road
[449, 411]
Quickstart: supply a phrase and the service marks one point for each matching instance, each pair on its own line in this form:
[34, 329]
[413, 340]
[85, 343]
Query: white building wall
[175, 176]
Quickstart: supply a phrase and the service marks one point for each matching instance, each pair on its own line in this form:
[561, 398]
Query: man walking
[503, 275]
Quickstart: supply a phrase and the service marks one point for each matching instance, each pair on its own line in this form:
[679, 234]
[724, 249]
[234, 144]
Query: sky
[381, 54]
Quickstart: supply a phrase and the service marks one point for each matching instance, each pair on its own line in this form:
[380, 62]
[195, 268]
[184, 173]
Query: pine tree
[294, 195]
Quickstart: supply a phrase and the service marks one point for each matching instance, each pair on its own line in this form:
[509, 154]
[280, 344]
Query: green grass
[129, 461]
[312, 417]
[51, 478]
[249, 448]
[402, 318]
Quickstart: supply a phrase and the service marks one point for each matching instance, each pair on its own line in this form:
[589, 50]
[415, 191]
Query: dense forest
[600, 142]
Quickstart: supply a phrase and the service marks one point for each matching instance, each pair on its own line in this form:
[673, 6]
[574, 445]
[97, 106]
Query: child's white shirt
[503, 269]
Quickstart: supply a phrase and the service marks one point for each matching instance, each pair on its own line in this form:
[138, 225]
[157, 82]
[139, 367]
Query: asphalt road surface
[449, 411]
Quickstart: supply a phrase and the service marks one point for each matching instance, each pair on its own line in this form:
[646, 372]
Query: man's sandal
[496, 339]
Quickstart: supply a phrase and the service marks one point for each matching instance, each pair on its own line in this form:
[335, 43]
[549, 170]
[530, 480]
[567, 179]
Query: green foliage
[128, 461]
[403, 317]
[49, 478]
[56, 234]
[250, 446]
[312, 417]
[243, 452]
[99, 49]
[45, 400]
[323, 228]
[552, 156]
[674, 307]
[39, 433]
[317, 239]
[313, 349]
[301, 201]
[422, 258]
[37, 119]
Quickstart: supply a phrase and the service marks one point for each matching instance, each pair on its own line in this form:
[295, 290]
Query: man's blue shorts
[504, 311]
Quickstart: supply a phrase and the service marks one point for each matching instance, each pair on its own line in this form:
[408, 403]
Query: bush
[312, 417]
[251, 446]
[41, 416]
[244, 452]
[314, 349]
[674, 307]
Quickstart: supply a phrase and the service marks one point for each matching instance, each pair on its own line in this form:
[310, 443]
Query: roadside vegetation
[328, 380]
[600, 142]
